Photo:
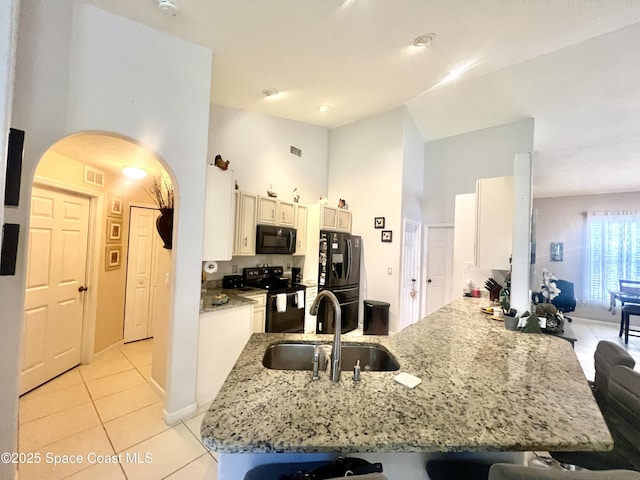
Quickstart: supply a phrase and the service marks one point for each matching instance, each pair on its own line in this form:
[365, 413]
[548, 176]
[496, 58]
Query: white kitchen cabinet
[310, 320]
[259, 310]
[332, 218]
[301, 230]
[219, 214]
[245, 234]
[274, 212]
[494, 223]
[221, 338]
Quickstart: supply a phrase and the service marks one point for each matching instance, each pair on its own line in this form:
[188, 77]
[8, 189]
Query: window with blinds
[613, 240]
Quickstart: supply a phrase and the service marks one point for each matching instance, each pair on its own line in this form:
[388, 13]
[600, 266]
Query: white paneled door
[55, 286]
[439, 266]
[410, 275]
[141, 274]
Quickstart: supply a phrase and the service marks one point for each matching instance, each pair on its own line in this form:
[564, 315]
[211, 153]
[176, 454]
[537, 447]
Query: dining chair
[631, 287]
[628, 310]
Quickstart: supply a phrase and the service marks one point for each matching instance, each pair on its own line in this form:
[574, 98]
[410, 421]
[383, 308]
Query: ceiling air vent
[295, 151]
[93, 176]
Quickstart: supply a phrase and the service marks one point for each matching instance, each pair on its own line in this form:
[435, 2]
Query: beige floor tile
[58, 426]
[145, 371]
[136, 427]
[169, 451]
[68, 379]
[193, 424]
[92, 441]
[204, 468]
[114, 363]
[38, 406]
[140, 358]
[102, 387]
[126, 401]
[100, 471]
[141, 346]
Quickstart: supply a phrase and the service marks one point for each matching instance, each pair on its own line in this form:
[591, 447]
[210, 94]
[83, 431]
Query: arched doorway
[88, 266]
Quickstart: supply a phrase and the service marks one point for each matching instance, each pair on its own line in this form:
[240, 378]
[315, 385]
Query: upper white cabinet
[275, 212]
[332, 218]
[494, 222]
[301, 230]
[245, 232]
[219, 218]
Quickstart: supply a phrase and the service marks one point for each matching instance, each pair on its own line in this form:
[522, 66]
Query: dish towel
[300, 298]
[281, 302]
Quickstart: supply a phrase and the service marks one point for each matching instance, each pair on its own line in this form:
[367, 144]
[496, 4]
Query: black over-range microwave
[276, 240]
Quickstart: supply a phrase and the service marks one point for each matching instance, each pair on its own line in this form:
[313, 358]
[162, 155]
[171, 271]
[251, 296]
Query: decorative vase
[164, 225]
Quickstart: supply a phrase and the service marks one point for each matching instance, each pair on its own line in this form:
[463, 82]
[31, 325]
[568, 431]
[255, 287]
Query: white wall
[561, 219]
[76, 71]
[257, 146]
[452, 165]
[412, 170]
[365, 168]
[10, 328]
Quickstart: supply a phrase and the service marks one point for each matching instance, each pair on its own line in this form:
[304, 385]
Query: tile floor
[108, 408]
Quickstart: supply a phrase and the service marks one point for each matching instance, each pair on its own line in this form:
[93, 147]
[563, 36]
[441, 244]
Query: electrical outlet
[288, 266]
[234, 269]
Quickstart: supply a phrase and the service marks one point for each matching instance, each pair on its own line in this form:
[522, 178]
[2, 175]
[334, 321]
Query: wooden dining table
[622, 297]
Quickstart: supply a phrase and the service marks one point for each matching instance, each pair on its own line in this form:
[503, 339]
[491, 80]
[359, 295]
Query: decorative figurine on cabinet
[271, 192]
[220, 163]
[296, 195]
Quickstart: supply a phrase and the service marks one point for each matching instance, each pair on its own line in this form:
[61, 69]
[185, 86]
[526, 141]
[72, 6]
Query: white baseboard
[157, 388]
[172, 418]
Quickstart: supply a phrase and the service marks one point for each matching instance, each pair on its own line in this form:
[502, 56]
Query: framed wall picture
[378, 222]
[114, 230]
[116, 206]
[557, 251]
[113, 257]
[387, 236]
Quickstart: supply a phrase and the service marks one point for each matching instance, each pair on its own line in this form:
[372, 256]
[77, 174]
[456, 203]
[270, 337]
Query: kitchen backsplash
[227, 268]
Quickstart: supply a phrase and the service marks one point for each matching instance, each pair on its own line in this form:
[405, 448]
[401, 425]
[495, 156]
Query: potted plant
[161, 191]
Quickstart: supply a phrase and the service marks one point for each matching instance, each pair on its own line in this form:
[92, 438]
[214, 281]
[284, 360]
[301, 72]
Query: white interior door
[410, 275]
[141, 272]
[56, 276]
[439, 266]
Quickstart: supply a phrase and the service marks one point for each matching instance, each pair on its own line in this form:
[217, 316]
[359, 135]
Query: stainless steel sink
[299, 356]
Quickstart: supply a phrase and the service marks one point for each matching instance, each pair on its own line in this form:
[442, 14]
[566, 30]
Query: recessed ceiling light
[324, 108]
[134, 172]
[168, 7]
[270, 92]
[424, 40]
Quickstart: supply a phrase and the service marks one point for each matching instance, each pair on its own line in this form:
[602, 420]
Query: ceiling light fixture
[424, 40]
[324, 108]
[134, 172]
[168, 7]
[270, 92]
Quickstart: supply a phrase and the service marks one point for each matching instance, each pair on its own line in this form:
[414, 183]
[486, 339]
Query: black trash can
[376, 318]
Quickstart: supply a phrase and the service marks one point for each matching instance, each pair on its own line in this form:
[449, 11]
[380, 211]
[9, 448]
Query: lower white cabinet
[310, 320]
[259, 310]
[222, 337]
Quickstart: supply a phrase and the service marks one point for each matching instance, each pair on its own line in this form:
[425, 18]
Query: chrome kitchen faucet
[336, 354]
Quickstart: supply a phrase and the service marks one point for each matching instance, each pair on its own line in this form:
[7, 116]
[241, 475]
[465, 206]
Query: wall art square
[116, 206]
[387, 236]
[378, 222]
[114, 231]
[556, 251]
[113, 257]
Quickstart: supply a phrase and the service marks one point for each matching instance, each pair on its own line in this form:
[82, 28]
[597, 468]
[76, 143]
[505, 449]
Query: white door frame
[423, 303]
[405, 222]
[93, 261]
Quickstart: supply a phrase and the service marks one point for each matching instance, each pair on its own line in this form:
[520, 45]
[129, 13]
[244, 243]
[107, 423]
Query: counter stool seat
[628, 310]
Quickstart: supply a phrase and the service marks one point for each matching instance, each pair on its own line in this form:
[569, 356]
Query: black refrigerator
[339, 272]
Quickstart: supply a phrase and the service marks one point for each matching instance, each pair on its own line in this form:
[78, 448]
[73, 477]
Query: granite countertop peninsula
[484, 388]
[235, 300]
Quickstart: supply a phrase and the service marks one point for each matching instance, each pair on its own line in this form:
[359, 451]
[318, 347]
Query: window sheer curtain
[613, 252]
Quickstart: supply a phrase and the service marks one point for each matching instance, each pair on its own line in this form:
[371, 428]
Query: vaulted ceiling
[573, 66]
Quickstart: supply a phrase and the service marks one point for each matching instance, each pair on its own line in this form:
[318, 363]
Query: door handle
[429, 280]
[82, 288]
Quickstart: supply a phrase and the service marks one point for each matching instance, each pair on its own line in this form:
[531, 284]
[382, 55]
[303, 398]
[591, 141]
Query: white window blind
[613, 243]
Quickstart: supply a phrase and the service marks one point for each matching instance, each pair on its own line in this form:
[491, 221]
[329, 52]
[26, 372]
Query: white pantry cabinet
[219, 216]
[221, 338]
[275, 212]
[494, 223]
[245, 232]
